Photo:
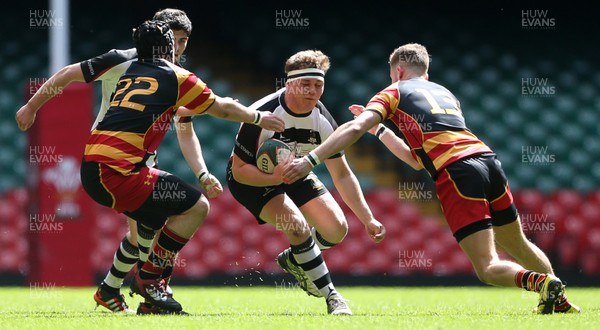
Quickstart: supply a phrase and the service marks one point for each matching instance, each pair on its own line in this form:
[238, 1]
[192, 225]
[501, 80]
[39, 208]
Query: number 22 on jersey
[134, 87]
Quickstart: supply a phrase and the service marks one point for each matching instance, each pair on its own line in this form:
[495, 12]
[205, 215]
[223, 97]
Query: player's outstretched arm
[349, 188]
[25, 116]
[229, 109]
[395, 144]
[192, 152]
[340, 139]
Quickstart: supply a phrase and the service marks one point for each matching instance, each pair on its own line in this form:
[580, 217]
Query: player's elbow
[355, 130]
[220, 108]
[415, 165]
[237, 173]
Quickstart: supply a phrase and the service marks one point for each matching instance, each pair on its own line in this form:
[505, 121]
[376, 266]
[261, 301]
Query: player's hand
[25, 117]
[211, 185]
[281, 165]
[278, 174]
[375, 230]
[271, 122]
[357, 110]
[296, 170]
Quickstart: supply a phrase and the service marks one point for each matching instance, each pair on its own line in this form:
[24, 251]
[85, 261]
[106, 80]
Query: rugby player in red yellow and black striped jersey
[470, 183]
[430, 119]
[107, 69]
[130, 131]
[114, 171]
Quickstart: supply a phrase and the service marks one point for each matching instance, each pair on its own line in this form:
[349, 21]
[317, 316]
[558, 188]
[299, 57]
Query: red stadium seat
[593, 239]
[230, 246]
[208, 234]
[529, 201]
[544, 240]
[194, 270]
[574, 225]
[386, 199]
[593, 197]
[252, 235]
[214, 259]
[8, 211]
[569, 200]
[590, 212]
[378, 262]
[568, 251]
[462, 264]
[19, 197]
[590, 264]
[338, 261]
[554, 212]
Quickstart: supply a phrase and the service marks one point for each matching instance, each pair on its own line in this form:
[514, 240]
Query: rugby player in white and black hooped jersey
[295, 208]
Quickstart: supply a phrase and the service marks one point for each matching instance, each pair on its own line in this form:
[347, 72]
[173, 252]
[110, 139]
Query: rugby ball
[271, 153]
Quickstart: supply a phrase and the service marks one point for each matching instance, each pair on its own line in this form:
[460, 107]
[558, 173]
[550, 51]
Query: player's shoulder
[115, 56]
[101, 65]
[269, 102]
[175, 70]
[322, 109]
[124, 54]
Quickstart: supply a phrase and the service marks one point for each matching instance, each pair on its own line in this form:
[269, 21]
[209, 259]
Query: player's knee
[339, 232]
[485, 274]
[299, 229]
[201, 209]
[482, 276]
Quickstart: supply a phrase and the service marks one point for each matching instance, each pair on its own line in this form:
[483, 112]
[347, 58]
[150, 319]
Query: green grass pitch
[290, 308]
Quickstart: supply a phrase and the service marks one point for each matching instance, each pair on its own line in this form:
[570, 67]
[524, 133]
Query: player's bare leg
[480, 249]
[512, 239]
[308, 265]
[327, 219]
[490, 269]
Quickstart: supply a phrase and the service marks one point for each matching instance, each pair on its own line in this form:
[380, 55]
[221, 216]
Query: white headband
[310, 73]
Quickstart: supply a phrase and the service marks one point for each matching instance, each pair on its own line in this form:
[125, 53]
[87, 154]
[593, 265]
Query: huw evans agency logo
[44, 19]
[537, 87]
[535, 19]
[291, 20]
[537, 155]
